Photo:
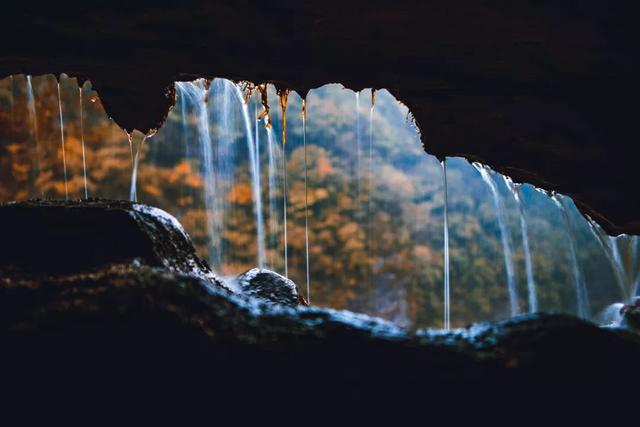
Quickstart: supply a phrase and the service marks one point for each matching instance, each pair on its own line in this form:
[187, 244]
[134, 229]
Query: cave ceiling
[545, 92]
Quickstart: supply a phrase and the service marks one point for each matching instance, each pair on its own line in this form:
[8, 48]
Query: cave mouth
[335, 191]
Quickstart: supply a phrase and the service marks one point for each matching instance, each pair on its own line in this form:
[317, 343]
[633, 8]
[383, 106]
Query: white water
[611, 315]
[193, 94]
[215, 135]
[136, 142]
[504, 237]
[284, 190]
[528, 264]
[580, 286]
[64, 158]
[370, 187]
[603, 239]
[634, 256]
[273, 187]
[255, 178]
[618, 263]
[447, 294]
[306, 200]
[33, 118]
[84, 160]
[625, 268]
[358, 148]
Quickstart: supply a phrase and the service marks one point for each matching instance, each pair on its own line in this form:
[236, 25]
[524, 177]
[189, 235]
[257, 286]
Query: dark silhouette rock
[57, 237]
[136, 320]
[631, 315]
[146, 332]
[547, 96]
[270, 286]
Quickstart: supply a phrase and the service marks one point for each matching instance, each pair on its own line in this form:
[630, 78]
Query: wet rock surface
[155, 328]
[147, 334]
[124, 296]
[56, 237]
[269, 286]
[631, 315]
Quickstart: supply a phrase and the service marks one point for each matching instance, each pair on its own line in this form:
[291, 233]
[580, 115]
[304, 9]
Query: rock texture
[149, 332]
[58, 237]
[631, 315]
[146, 320]
[269, 286]
[545, 92]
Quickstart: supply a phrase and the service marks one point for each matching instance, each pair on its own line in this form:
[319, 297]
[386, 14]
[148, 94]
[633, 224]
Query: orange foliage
[241, 194]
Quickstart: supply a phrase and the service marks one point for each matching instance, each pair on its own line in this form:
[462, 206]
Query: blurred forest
[375, 199]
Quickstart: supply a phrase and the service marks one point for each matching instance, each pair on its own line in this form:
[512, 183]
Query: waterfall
[528, 264]
[581, 290]
[31, 107]
[136, 142]
[634, 256]
[194, 94]
[283, 105]
[370, 186]
[273, 185]
[627, 276]
[219, 176]
[182, 99]
[626, 262]
[447, 295]
[358, 147]
[255, 177]
[531, 284]
[306, 199]
[617, 259]
[504, 237]
[256, 139]
[84, 160]
[211, 162]
[64, 158]
[605, 243]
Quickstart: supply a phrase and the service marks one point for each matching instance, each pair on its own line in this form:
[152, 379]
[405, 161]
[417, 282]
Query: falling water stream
[634, 256]
[283, 106]
[136, 142]
[84, 160]
[33, 119]
[64, 157]
[532, 292]
[193, 94]
[447, 294]
[358, 148]
[255, 177]
[306, 199]
[528, 264]
[273, 186]
[370, 185]
[610, 249]
[504, 237]
[581, 290]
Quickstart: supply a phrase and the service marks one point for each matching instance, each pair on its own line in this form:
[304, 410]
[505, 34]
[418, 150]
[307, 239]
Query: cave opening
[333, 190]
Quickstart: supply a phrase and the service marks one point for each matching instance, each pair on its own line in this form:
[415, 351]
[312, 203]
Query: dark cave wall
[542, 91]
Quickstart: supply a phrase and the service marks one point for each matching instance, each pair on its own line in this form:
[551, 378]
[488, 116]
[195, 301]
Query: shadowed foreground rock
[270, 286]
[631, 315]
[56, 237]
[153, 331]
[144, 330]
